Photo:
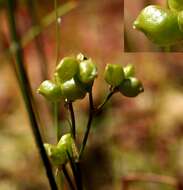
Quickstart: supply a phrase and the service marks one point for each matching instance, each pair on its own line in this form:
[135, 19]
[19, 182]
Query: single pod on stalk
[67, 68]
[50, 91]
[131, 87]
[113, 74]
[159, 24]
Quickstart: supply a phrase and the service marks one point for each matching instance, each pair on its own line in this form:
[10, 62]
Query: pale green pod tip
[113, 74]
[87, 71]
[67, 68]
[50, 90]
[129, 70]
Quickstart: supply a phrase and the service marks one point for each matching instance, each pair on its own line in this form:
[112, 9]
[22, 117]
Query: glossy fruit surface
[57, 155]
[50, 90]
[113, 74]
[131, 87]
[71, 91]
[159, 24]
[68, 141]
[87, 71]
[67, 68]
[175, 5]
[129, 70]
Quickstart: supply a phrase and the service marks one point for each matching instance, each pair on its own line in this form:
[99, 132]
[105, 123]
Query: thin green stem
[71, 185]
[90, 118]
[26, 92]
[73, 126]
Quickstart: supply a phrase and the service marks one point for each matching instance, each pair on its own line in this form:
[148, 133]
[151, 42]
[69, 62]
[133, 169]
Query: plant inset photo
[155, 25]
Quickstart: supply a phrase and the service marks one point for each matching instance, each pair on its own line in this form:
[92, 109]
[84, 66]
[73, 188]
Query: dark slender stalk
[90, 118]
[39, 40]
[68, 178]
[26, 92]
[75, 166]
[56, 119]
[100, 107]
[73, 126]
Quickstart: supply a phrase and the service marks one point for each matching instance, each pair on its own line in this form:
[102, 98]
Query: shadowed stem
[90, 118]
[73, 126]
[26, 92]
[68, 178]
[100, 107]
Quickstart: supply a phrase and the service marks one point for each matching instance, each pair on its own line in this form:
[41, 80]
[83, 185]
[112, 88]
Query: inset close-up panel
[153, 26]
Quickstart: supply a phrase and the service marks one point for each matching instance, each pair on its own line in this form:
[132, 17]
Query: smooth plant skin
[50, 90]
[71, 91]
[113, 74]
[67, 68]
[68, 141]
[87, 71]
[175, 5]
[57, 155]
[129, 70]
[160, 25]
[180, 20]
[131, 87]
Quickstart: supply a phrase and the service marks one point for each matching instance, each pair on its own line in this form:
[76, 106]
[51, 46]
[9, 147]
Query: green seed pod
[87, 71]
[131, 87]
[58, 156]
[71, 91]
[113, 74]
[50, 90]
[180, 20]
[67, 68]
[68, 141]
[129, 70]
[159, 24]
[175, 5]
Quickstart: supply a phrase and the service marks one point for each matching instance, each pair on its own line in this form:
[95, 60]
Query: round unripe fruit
[175, 5]
[131, 87]
[50, 90]
[68, 141]
[129, 70]
[113, 74]
[87, 71]
[71, 91]
[67, 68]
[160, 25]
[57, 155]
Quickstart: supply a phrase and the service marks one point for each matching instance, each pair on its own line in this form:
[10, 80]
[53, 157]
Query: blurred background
[136, 41]
[140, 135]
